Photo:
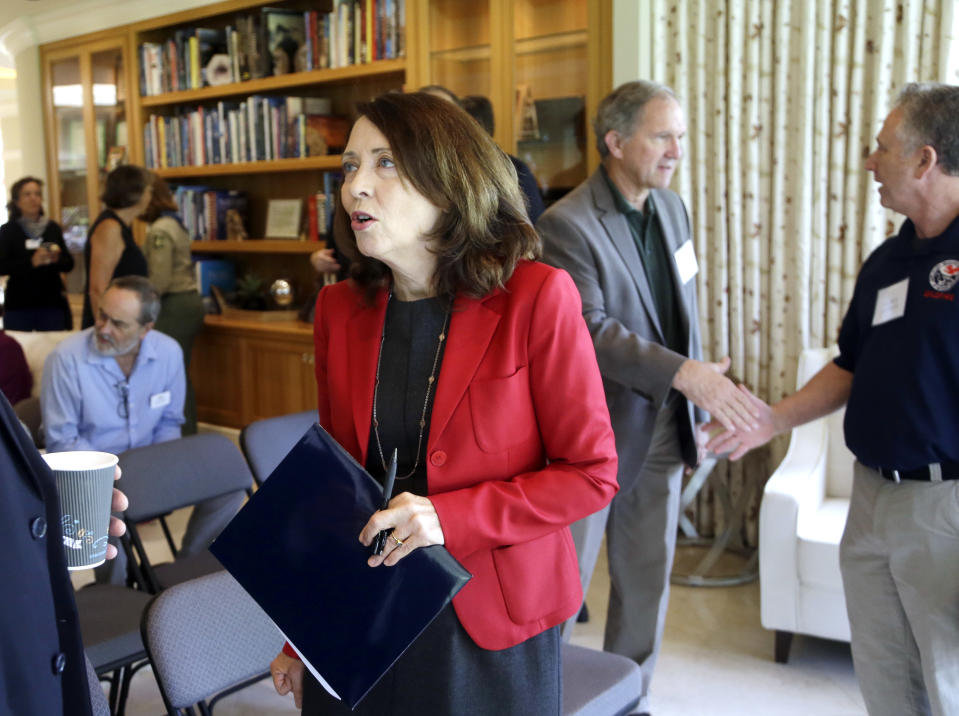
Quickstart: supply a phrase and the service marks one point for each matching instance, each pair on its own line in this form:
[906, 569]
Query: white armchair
[801, 520]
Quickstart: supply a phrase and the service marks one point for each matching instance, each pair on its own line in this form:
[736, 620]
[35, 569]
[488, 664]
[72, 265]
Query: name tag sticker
[890, 303]
[158, 400]
[686, 264]
[33, 244]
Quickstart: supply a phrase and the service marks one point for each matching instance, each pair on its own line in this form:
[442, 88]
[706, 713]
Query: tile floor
[716, 659]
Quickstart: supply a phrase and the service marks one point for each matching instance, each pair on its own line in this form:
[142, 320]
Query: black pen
[379, 542]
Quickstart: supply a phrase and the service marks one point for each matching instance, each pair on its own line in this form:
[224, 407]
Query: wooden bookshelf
[272, 166]
[256, 246]
[293, 80]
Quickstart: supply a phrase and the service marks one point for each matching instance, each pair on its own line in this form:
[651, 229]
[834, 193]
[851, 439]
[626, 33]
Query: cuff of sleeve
[289, 651]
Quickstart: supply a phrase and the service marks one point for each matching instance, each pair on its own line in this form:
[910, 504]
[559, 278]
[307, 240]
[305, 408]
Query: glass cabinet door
[70, 160]
[550, 66]
[460, 46]
[109, 104]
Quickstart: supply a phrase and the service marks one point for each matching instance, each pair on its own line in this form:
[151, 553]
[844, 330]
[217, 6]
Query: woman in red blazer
[452, 345]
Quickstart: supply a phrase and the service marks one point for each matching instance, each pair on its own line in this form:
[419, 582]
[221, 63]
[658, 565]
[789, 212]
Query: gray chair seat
[597, 683]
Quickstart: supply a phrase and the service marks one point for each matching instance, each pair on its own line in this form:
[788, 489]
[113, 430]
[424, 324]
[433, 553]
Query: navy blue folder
[294, 548]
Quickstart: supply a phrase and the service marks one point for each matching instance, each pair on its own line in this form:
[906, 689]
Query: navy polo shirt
[903, 411]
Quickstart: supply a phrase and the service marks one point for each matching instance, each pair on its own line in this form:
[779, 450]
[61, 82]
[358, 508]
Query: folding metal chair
[168, 476]
[207, 638]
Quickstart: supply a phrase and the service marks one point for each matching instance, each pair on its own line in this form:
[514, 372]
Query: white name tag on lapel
[890, 302]
[158, 400]
[33, 244]
[686, 264]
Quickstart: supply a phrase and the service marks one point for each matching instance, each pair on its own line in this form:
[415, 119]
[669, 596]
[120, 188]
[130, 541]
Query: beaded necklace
[426, 400]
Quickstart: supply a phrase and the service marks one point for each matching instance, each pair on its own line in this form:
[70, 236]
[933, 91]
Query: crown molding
[17, 36]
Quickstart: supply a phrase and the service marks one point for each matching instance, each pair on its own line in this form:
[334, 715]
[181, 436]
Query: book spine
[312, 230]
[400, 28]
[234, 44]
[194, 43]
[359, 53]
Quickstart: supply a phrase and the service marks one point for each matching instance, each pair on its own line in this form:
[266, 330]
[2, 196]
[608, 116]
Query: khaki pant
[900, 567]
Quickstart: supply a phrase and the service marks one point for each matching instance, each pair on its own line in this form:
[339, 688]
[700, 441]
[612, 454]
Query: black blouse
[132, 261]
[409, 348]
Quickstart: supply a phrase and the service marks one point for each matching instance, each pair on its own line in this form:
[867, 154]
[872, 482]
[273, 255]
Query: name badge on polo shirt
[33, 244]
[158, 400]
[686, 264]
[890, 302]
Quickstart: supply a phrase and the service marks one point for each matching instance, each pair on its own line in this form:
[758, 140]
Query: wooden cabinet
[243, 371]
[544, 65]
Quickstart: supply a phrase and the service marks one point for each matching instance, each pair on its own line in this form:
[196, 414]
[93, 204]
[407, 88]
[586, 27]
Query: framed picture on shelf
[115, 157]
[285, 32]
[283, 218]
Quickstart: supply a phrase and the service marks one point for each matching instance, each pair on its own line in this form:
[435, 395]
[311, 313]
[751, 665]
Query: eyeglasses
[123, 407]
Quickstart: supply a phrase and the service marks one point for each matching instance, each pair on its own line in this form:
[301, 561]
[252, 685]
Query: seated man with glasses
[120, 385]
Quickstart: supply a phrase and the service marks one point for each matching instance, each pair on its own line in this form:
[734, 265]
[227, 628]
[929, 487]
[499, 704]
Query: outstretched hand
[738, 442]
[704, 384]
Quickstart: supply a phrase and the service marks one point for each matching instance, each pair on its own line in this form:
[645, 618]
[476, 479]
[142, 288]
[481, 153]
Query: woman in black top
[110, 250]
[33, 255]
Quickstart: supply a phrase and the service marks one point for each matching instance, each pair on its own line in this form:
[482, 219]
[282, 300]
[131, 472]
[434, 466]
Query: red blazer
[520, 443]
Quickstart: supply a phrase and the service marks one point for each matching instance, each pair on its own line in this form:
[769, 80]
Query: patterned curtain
[783, 103]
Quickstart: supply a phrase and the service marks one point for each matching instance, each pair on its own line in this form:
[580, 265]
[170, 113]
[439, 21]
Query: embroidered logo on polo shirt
[944, 275]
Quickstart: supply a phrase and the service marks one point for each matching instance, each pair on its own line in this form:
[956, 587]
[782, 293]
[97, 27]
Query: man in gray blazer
[625, 239]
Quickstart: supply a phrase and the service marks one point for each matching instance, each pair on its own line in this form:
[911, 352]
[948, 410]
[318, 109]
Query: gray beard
[115, 352]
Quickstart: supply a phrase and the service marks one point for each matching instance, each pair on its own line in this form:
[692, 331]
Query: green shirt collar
[623, 206]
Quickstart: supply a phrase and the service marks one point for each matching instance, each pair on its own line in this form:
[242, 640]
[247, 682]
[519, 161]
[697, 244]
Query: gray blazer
[587, 236]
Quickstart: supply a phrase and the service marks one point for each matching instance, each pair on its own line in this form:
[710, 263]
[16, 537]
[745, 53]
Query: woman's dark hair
[125, 185]
[12, 209]
[481, 109]
[483, 229]
[441, 92]
[161, 200]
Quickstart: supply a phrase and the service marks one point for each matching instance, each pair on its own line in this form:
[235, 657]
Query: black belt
[929, 473]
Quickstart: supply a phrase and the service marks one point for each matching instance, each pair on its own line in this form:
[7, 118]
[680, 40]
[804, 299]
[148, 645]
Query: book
[326, 134]
[293, 547]
[211, 272]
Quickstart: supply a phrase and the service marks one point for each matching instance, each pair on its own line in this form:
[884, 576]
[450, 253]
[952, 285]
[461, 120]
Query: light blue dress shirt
[88, 404]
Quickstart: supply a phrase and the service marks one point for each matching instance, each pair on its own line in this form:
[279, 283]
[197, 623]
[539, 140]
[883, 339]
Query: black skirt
[444, 673]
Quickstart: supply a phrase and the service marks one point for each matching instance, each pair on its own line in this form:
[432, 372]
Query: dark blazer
[519, 445]
[30, 286]
[42, 667]
[586, 235]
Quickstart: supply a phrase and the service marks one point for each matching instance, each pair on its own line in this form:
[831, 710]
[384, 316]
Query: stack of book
[274, 41]
[258, 128]
[211, 214]
[319, 208]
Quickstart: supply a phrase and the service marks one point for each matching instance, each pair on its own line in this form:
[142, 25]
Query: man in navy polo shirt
[898, 374]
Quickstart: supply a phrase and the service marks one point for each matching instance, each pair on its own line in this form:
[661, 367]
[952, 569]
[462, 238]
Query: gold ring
[399, 542]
